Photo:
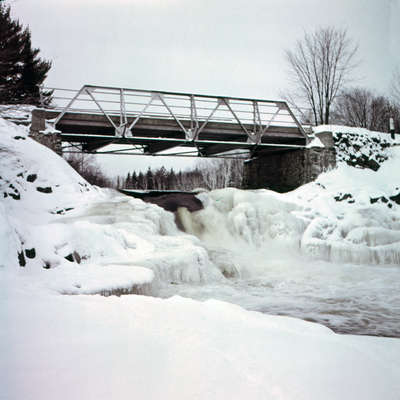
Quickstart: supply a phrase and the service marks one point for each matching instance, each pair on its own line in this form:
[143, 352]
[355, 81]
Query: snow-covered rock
[359, 147]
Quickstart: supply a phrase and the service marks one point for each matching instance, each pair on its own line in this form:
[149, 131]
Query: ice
[101, 226]
[306, 253]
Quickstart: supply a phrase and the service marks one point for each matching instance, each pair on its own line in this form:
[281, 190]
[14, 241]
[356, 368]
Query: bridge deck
[154, 132]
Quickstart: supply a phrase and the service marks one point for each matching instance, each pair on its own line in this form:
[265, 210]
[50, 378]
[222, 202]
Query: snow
[95, 347]
[315, 142]
[64, 336]
[344, 200]
[359, 146]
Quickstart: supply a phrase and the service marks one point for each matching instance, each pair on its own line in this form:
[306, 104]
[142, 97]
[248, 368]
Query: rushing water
[245, 261]
[356, 299]
[277, 279]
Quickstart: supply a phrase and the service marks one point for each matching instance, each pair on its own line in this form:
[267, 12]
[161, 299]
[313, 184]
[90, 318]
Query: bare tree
[361, 108]
[319, 66]
[88, 168]
[221, 173]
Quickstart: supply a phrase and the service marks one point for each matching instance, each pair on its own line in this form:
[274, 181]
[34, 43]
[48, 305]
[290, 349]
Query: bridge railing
[192, 112]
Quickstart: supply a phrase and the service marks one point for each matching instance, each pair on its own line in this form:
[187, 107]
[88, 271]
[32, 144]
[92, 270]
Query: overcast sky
[220, 47]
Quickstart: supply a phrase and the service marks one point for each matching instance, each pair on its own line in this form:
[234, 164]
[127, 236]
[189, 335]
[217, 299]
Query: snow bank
[8, 240]
[94, 347]
[55, 218]
[72, 238]
[353, 214]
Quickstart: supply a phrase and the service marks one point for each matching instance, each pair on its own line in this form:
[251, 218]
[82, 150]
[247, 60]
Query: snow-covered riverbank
[62, 346]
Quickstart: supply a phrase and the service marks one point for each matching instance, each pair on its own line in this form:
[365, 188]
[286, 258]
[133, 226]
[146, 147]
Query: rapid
[259, 243]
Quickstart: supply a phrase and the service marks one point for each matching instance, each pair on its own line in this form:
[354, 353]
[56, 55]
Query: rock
[47, 189]
[31, 178]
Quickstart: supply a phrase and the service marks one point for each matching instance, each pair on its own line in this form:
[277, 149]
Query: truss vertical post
[123, 119]
[194, 122]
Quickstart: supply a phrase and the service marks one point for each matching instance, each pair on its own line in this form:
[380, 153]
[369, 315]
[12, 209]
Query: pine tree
[128, 181]
[10, 45]
[141, 181]
[134, 180]
[150, 179]
[171, 180]
[21, 70]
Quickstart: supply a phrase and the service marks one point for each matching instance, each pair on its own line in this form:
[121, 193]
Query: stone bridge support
[37, 132]
[285, 171]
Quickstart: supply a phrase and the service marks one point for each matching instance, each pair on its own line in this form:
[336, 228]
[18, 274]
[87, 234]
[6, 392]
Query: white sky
[220, 47]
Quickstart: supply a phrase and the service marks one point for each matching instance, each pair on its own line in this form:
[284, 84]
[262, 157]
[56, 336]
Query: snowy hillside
[60, 237]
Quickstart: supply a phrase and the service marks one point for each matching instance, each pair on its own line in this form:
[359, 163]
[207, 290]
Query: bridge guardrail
[253, 115]
[209, 123]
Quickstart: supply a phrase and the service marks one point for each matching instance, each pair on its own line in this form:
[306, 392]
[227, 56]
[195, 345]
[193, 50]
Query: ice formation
[67, 220]
[62, 239]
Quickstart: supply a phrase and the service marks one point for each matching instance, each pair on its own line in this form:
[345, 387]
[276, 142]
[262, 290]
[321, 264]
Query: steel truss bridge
[108, 120]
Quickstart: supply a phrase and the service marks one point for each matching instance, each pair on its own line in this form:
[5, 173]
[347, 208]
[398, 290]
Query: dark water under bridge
[147, 122]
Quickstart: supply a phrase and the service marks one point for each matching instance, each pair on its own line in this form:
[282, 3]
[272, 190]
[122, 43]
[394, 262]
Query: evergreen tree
[21, 70]
[160, 178]
[171, 180]
[128, 181]
[141, 181]
[150, 179]
[134, 180]
[10, 45]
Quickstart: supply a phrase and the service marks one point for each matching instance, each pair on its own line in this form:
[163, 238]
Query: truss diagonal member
[270, 121]
[89, 92]
[129, 133]
[161, 98]
[67, 107]
[285, 105]
[208, 119]
[237, 118]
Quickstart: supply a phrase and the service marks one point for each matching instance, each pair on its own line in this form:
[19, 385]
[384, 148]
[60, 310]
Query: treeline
[360, 107]
[208, 174]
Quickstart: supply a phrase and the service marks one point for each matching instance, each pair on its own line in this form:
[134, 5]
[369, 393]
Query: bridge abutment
[38, 129]
[287, 170]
